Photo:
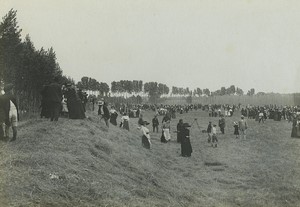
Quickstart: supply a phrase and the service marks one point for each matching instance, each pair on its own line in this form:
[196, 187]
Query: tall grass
[83, 163]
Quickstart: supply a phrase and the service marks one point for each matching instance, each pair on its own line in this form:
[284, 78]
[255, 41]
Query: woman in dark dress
[113, 116]
[186, 147]
[74, 105]
[179, 130]
[295, 128]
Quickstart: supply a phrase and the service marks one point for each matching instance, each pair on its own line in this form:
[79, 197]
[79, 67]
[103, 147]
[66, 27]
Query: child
[214, 136]
[236, 130]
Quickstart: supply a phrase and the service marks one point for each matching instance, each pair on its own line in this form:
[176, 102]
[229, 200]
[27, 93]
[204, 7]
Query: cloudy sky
[184, 43]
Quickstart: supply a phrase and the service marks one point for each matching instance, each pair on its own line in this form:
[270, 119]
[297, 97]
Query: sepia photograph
[150, 103]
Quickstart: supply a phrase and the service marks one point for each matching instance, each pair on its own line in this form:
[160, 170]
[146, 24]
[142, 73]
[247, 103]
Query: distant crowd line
[70, 102]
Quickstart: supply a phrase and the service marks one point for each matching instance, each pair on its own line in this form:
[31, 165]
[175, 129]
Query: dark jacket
[54, 93]
[155, 121]
[209, 128]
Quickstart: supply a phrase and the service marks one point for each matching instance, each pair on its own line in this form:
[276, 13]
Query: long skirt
[162, 138]
[145, 142]
[179, 135]
[126, 125]
[167, 134]
[186, 147]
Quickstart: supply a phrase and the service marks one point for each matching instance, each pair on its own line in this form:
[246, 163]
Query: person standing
[222, 124]
[54, 94]
[141, 120]
[74, 105]
[113, 116]
[236, 130]
[261, 117]
[214, 136]
[243, 127]
[209, 127]
[45, 111]
[186, 147]
[166, 131]
[155, 123]
[125, 121]
[103, 111]
[179, 130]
[295, 127]
[11, 112]
[106, 115]
[146, 143]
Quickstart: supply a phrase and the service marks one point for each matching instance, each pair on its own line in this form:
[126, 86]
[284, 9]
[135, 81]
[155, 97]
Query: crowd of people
[68, 101]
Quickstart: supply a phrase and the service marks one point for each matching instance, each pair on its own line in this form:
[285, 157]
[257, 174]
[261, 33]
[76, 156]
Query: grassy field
[82, 163]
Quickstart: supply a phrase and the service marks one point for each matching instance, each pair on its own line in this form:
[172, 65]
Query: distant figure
[209, 128]
[295, 127]
[179, 130]
[125, 121]
[236, 130]
[166, 118]
[105, 115]
[222, 124]
[113, 116]
[45, 106]
[214, 136]
[54, 96]
[166, 137]
[141, 120]
[186, 147]
[74, 105]
[243, 127]
[9, 109]
[64, 110]
[145, 135]
[261, 117]
[155, 123]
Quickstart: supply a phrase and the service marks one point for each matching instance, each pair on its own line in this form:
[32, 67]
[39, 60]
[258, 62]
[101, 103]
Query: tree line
[25, 66]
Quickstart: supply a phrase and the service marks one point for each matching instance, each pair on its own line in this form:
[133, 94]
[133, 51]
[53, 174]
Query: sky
[183, 43]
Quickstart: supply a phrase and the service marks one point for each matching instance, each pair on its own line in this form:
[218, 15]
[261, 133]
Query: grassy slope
[99, 167]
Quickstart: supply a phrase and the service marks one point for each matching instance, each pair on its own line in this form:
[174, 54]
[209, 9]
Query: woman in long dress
[179, 130]
[186, 147]
[125, 122]
[166, 137]
[145, 135]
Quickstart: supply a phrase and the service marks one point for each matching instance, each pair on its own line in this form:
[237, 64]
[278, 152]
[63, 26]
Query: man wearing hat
[155, 123]
[243, 127]
[209, 128]
[8, 112]
[222, 123]
[103, 111]
[186, 147]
